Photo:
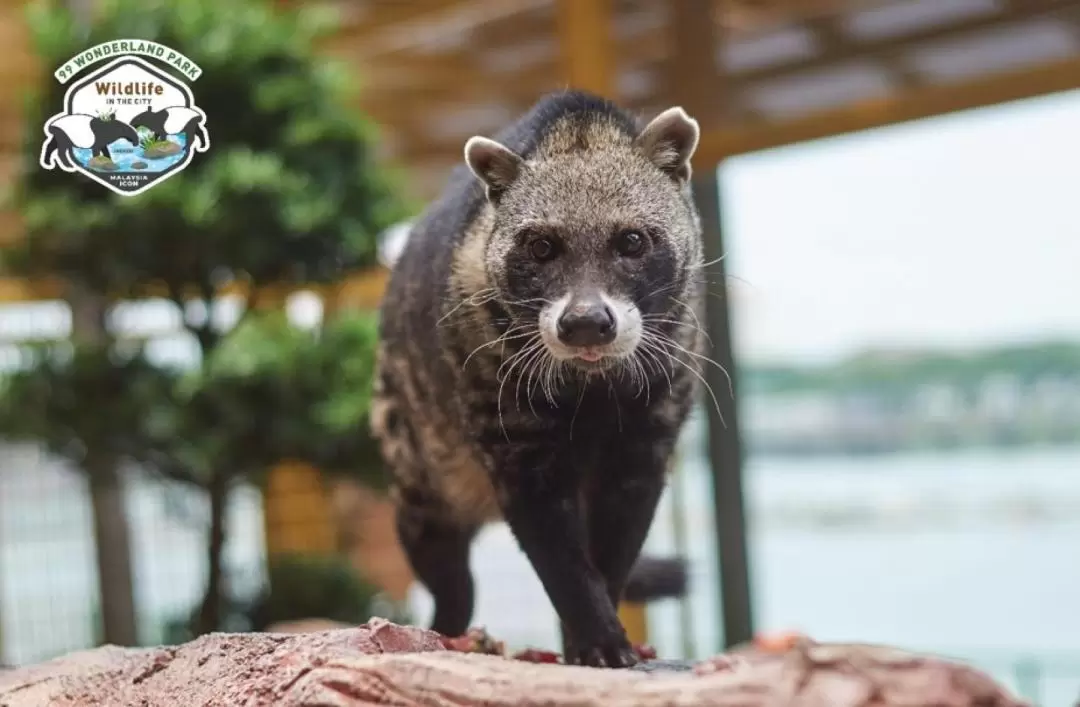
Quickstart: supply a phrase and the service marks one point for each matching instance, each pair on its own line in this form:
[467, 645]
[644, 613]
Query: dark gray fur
[572, 454]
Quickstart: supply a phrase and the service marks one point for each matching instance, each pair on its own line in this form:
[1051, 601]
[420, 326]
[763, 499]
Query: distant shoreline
[765, 450]
[910, 490]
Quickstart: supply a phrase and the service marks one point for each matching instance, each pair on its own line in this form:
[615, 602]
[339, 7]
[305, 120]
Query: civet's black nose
[587, 323]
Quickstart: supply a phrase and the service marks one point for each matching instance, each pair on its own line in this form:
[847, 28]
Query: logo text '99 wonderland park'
[128, 124]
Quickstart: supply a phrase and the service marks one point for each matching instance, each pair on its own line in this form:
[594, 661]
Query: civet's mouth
[590, 354]
[602, 345]
[595, 359]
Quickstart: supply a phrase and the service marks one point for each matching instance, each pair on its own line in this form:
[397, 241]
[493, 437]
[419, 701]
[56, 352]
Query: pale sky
[954, 231]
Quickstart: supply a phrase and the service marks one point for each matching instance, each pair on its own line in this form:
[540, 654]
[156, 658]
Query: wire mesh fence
[49, 588]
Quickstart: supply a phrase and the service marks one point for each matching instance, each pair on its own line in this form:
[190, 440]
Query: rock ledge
[382, 663]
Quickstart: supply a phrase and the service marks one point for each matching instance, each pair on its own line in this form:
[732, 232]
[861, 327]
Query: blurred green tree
[320, 378]
[299, 587]
[303, 587]
[269, 392]
[290, 194]
[289, 191]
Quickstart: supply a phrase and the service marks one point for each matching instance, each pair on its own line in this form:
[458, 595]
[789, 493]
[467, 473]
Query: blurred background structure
[906, 412]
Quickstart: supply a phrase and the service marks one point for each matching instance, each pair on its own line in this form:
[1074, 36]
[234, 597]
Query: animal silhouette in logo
[147, 128]
[77, 130]
[175, 120]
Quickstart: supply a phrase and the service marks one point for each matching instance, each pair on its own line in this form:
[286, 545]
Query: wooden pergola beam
[393, 27]
[905, 106]
[835, 40]
[455, 77]
[431, 25]
[750, 15]
[362, 290]
[839, 49]
[586, 44]
[447, 79]
[845, 48]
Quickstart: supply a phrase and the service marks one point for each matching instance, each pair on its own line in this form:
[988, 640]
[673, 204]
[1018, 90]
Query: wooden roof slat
[450, 82]
[833, 39]
[435, 72]
[364, 18]
[848, 47]
[1031, 42]
[910, 105]
[361, 290]
[431, 25]
[838, 49]
[10, 222]
[883, 20]
[585, 31]
[716, 144]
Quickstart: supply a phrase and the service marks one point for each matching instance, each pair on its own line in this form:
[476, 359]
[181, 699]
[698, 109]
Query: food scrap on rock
[644, 651]
[534, 655]
[475, 640]
[478, 640]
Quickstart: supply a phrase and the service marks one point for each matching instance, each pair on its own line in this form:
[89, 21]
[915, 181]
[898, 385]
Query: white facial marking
[627, 326]
[628, 330]
[549, 329]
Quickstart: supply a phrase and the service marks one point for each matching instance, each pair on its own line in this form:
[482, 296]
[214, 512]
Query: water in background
[124, 156]
[972, 554]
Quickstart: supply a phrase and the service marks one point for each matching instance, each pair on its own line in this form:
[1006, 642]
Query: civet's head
[595, 235]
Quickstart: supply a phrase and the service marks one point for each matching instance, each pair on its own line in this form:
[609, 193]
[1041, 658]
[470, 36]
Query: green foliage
[298, 586]
[271, 391]
[70, 400]
[311, 587]
[288, 194]
[147, 141]
[897, 374]
[289, 190]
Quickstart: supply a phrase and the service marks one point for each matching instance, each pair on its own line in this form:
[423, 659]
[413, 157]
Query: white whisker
[702, 265]
[663, 342]
[660, 319]
[528, 367]
[577, 408]
[508, 335]
[706, 359]
[653, 353]
[511, 363]
[476, 299]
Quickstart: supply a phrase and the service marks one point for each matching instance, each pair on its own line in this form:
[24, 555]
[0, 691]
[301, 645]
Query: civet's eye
[629, 244]
[542, 249]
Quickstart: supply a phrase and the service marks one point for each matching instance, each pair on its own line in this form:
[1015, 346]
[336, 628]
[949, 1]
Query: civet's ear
[494, 164]
[669, 142]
